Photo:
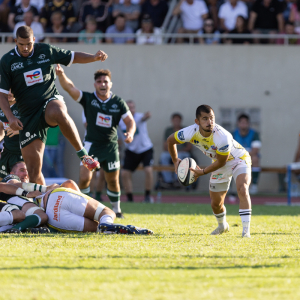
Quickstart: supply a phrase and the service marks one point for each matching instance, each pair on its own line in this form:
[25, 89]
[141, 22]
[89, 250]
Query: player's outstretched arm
[172, 148]
[85, 58]
[14, 122]
[67, 83]
[130, 128]
[12, 189]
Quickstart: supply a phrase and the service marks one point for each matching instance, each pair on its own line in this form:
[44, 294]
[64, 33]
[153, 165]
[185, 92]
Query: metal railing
[167, 36]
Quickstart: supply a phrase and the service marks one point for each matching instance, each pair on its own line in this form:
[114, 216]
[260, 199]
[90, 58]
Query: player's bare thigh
[54, 110]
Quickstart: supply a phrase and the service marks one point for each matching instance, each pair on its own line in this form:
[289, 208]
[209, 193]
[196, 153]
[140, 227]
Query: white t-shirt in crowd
[36, 27]
[37, 3]
[191, 15]
[141, 141]
[229, 13]
[143, 39]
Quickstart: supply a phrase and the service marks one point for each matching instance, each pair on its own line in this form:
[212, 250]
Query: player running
[103, 111]
[229, 158]
[11, 153]
[28, 71]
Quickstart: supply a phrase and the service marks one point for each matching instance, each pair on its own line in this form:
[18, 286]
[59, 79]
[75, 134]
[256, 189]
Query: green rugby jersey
[32, 79]
[102, 117]
[11, 144]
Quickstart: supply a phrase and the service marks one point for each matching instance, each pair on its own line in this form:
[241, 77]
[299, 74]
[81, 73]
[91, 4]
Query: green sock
[29, 222]
[86, 191]
[114, 198]
[82, 153]
[98, 196]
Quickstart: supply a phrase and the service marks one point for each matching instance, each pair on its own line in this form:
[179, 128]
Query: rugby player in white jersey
[229, 159]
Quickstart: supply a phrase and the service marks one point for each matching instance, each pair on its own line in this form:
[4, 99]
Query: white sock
[86, 190]
[221, 218]
[116, 206]
[245, 215]
[106, 219]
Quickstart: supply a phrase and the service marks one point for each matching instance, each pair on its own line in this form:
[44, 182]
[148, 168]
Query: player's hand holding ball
[128, 137]
[197, 172]
[100, 55]
[176, 164]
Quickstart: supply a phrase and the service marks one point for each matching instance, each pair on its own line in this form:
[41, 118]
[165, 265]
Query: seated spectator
[250, 140]
[157, 10]
[148, 35]
[184, 150]
[209, 29]
[90, 27]
[57, 27]
[289, 28]
[38, 4]
[119, 27]
[192, 13]
[37, 27]
[228, 13]
[295, 15]
[131, 12]
[17, 13]
[65, 7]
[4, 11]
[240, 28]
[140, 150]
[266, 17]
[213, 7]
[97, 9]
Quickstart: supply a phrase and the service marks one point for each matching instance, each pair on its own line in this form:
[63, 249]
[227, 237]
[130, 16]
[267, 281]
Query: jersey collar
[105, 101]
[17, 52]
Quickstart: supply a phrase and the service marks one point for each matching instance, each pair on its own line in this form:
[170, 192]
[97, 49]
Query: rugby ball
[184, 174]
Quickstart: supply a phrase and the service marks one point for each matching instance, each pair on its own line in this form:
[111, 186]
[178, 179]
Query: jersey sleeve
[61, 56]
[223, 143]
[82, 98]
[5, 77]
[184, 135]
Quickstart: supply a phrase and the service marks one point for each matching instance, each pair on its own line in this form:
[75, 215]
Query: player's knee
[113, 182]
[69, 184]
[216, 206]
[35, 210]
[18, 216]
[108, 211]
[243, 189]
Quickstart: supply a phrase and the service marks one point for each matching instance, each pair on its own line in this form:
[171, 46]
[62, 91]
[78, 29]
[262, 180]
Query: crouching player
[229, 158]
[69, 210]
[17, 208]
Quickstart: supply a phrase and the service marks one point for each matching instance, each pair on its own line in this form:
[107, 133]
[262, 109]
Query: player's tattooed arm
[85, 58]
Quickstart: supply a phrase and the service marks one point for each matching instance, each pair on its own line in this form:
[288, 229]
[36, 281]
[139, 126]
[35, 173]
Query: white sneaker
[246, 233]
[253, 189]
[221, 229]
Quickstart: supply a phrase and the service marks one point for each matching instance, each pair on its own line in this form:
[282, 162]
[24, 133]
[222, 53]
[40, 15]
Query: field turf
[180, 261]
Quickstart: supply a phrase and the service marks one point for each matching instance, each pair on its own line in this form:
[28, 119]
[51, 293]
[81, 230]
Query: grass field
[180, 261]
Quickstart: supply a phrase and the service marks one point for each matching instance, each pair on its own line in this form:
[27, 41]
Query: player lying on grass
[69, 210]
[229, 159]
[16, 207]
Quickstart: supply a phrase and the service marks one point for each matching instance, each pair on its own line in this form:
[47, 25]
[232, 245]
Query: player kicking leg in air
[229, 159]
[28, 71]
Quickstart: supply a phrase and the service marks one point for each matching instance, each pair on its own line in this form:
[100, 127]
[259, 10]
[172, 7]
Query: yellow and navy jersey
[219, 142]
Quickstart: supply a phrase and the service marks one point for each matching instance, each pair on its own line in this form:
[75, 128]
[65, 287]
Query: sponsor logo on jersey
[5, 125]
[205, 147]
[3, 167]
[33, 77]
[43, 61]
[11, 53]
[217, 176]
[15, 112]
[113, 165]
[29, 138]
[114, 108]
[95, 103]
[29, 62]
[57, 204]
[104, 120]
[42, 56]
[180, 135]
[225, 148]
[1, 113]
[16, 66]
[214, 147]
[196, 142]
[212, 186]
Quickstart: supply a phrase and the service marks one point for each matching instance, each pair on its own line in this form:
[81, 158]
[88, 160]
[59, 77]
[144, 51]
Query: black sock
[147, 193]
[129, 197]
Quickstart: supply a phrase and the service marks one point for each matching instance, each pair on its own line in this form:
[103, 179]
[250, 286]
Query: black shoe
[114, 228]
[120, 215]
[12, 230]
[39, 230]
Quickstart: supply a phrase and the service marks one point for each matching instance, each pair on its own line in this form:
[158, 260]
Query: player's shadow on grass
[203, 209]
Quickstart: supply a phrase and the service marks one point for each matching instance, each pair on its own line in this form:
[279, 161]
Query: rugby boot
[221, 229]
[39, 230]
[246, 233]
[12, 230]
[120, 215]
[113, 228]
[138, 230]
[91, 164]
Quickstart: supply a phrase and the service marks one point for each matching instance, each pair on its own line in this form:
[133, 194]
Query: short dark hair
[243, 116]
[289, 23]
[176, 115]
[14, 167]
[102, 72]
[203, 108]
[120, 15]
[24, 32]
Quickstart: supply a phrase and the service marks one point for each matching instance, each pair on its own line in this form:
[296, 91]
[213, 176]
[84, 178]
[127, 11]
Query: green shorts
[7, 161]
[107, 155]
[35, 126]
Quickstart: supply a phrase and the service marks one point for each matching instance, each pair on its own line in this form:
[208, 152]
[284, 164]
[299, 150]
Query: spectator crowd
[92, 18]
